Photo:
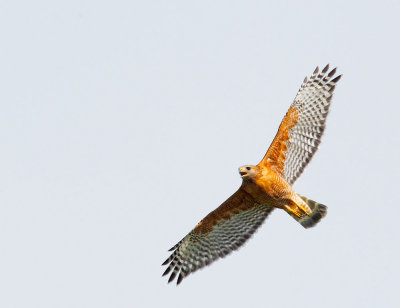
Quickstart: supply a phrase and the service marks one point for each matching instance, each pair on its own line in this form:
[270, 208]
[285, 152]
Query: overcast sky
[123, 124]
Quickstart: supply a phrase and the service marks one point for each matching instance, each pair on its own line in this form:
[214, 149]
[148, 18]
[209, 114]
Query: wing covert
[219, 233]
[300, 131]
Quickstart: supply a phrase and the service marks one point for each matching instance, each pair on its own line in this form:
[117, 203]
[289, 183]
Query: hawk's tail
[318, 211]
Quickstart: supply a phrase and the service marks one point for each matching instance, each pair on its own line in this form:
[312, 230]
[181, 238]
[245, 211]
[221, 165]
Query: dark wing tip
[167, 271]
[325, 69]
[336, 79]
[170, 258]
[332, 72]
[172, 277]
[180, 278]
[316, 70]
[175, 246]
[165, 262]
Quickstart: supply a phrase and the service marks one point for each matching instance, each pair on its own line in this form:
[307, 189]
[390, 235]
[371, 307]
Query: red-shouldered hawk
[265, 186]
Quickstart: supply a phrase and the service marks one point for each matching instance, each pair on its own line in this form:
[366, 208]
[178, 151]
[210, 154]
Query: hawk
[265, 186]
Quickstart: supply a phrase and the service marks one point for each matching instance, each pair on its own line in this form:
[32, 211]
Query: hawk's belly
[270, 189]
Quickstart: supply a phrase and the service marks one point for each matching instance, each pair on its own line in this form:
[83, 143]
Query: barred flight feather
[300, 132]
[199, 249]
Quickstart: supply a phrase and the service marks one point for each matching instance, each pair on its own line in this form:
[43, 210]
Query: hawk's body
[265, 186]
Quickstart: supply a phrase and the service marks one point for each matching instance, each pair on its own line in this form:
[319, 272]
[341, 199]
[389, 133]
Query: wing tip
[176, 270]
[325, 70]
[175, 246]
[179, 280]
[166, 271]
[165, 262]
[332, 72]
[337, 78]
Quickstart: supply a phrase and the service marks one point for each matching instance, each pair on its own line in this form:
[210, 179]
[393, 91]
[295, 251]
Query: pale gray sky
[123, 124]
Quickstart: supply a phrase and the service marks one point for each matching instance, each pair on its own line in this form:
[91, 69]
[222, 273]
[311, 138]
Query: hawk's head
[248, 171]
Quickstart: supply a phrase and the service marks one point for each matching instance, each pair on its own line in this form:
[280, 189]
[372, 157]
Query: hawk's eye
[248, 168]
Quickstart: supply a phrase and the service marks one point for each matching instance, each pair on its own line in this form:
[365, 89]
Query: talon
[297, 214]
[305, 209]
[294, 212]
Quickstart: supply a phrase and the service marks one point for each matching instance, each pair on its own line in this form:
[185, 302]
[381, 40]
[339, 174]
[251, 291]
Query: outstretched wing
[220, 232]
[301, 129]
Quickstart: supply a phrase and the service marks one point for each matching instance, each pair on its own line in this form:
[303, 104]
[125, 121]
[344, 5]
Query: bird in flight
[265, 186]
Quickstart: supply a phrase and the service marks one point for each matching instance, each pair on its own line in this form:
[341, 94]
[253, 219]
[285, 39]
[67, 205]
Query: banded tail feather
[318, 211]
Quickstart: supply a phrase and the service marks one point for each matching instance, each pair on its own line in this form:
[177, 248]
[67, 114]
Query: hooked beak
[242, 173]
